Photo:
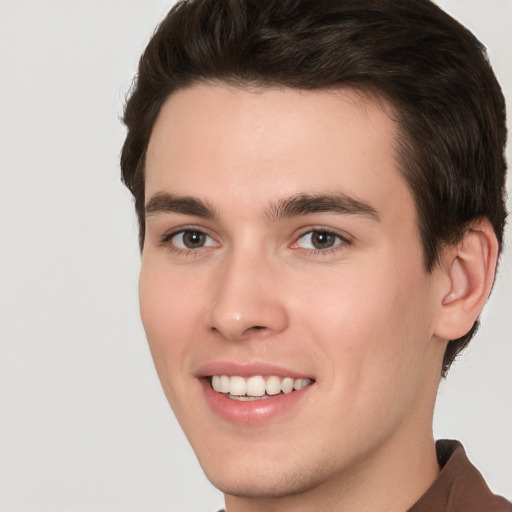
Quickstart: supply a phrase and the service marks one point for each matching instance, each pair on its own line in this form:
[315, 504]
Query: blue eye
[319, 240]
[191, 239]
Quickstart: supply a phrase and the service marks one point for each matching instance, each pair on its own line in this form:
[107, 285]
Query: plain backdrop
[84, 425]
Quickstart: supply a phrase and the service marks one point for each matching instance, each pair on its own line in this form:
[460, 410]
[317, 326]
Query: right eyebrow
[164, 202]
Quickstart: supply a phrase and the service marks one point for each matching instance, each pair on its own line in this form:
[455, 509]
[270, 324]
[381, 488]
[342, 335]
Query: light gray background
[83, 423]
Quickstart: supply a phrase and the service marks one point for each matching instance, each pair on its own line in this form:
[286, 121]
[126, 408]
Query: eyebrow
[305, 204]
[295, 206]
[164, 202]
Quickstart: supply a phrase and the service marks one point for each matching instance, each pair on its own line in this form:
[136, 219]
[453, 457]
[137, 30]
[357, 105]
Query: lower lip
[254, 412]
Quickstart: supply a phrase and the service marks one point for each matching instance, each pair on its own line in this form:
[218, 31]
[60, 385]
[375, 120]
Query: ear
[470, 267]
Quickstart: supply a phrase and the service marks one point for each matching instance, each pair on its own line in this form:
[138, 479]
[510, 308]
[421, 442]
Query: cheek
[378, 347]
[170, 312]
[372, 324]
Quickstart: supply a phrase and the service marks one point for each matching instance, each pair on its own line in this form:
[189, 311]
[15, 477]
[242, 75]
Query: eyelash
[167, 238]
[342, 241]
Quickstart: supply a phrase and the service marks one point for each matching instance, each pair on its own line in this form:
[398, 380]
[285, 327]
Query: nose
[246, 300]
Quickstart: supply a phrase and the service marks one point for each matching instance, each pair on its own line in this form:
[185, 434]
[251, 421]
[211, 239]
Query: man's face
[281, 244]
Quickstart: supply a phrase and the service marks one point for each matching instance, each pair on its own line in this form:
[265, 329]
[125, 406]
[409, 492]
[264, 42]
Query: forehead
[265, 144]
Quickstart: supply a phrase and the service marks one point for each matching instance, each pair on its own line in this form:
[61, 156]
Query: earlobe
[470, 270]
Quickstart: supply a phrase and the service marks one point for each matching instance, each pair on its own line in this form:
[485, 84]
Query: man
[319, 186]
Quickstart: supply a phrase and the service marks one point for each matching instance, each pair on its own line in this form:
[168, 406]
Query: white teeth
[223, 384]
[245, 398]
[237, 386]
[298, 384]
[256, 386]
[273, 386]
[287, 385]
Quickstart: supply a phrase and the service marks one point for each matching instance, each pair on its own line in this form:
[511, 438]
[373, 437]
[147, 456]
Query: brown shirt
[459, 486]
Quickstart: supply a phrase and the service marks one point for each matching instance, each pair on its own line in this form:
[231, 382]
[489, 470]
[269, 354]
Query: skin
[360, 317]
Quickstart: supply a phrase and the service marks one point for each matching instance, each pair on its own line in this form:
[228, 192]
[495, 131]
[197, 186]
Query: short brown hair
[435, 73]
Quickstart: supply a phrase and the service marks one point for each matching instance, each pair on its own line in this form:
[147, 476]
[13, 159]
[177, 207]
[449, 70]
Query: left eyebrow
[305, 204]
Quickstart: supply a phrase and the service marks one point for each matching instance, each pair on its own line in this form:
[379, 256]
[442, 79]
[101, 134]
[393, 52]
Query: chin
[288, 478]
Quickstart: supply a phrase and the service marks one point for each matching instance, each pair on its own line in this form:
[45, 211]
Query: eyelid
[166, 238]
[344, 239]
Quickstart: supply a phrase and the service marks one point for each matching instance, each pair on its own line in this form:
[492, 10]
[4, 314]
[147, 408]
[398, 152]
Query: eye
[320, 239]
[191, 239]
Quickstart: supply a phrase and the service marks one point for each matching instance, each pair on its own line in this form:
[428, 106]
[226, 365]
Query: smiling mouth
[256, 387]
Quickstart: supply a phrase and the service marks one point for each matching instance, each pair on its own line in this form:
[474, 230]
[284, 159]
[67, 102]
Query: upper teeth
[257, 385]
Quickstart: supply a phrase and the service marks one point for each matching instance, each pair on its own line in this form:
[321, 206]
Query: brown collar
[459, 486]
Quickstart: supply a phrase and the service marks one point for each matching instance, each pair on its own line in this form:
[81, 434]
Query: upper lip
[248, 369]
